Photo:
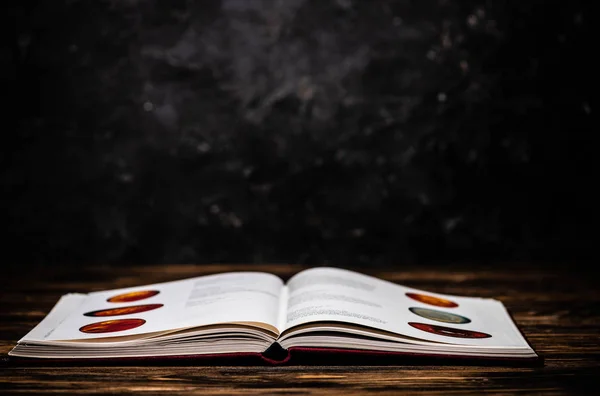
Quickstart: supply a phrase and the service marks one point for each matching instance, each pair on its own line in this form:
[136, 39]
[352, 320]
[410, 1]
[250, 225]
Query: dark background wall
[312, 131]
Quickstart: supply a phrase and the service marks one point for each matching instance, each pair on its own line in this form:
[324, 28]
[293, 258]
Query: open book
[250, 312]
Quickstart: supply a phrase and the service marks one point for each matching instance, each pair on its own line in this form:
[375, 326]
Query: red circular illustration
[133, 296]
[448, 331]
[431, 300]
[123, 310]
[111, 326]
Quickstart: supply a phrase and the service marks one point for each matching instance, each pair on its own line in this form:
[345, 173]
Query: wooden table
[557, 309]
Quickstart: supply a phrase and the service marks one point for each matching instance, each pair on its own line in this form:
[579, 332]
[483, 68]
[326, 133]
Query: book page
[222, 298]
[330, 294]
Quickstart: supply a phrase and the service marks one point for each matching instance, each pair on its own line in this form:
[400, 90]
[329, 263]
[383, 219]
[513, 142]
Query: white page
[330, 294]
[231, 297]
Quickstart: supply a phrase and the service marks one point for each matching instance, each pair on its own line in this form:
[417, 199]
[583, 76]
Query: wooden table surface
[556, 308]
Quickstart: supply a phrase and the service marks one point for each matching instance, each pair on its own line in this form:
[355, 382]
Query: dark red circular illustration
[448, 331]
[133, 296]
[123, 310]
[111, 326]
[431, 300]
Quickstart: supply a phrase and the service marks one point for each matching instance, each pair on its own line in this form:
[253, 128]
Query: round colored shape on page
[111, 326]
[431, 300]
[440, 316]
[448, 331]
[133, 296]
[123, 310]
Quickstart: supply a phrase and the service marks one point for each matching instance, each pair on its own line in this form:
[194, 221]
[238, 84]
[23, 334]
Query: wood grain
[556, 309]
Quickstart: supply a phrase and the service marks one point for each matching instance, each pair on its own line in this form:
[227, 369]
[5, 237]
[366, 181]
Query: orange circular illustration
[431, 300]
[133, 296]
[123, 310]
[111, 326]
[448, 331]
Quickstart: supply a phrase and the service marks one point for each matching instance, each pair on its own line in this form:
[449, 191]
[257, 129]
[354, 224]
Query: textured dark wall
[314, 131]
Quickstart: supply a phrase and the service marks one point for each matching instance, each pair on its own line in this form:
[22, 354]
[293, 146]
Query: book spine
[276, 355]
